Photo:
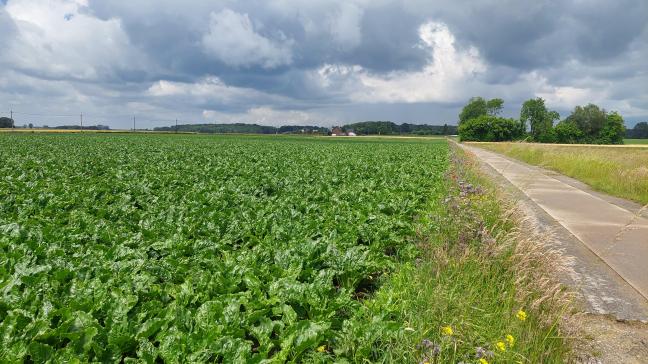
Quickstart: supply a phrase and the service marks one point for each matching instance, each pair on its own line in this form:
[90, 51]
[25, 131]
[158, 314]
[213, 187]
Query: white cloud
[168, 88]
[232, 38]
[268, 116]
[57, 39]
[210, 88]
[443, 79]
[567, 96]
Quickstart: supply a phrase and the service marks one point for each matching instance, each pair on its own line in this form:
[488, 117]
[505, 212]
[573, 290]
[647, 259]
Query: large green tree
[494, 106]
[613, 131]
[567, 132]
[590, 119]
[475, 107]
[539, 118]
[478, 106]
[593, 125]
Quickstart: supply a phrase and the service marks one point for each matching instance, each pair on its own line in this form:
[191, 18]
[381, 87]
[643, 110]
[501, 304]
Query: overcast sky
[316, 62]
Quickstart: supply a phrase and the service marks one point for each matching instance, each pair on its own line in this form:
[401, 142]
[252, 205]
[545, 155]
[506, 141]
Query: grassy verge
[479, 293]
[622, 172]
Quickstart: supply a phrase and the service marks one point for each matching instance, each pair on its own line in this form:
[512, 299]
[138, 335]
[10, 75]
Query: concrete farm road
[616, 235]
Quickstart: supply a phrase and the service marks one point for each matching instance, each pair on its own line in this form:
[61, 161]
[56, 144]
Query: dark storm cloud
[511, 36]
[525, 35]
[275, 54]
[607, 28]
[509, 33]
[388, 40]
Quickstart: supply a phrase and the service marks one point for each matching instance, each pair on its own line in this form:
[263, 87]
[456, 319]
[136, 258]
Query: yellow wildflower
[510, 340]
[521, 315]
[321, 349]
[501, 346]
[483, 361]
[447, 330]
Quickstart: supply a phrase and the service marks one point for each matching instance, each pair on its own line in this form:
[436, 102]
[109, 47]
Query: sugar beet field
[203, 248]
[241, 249]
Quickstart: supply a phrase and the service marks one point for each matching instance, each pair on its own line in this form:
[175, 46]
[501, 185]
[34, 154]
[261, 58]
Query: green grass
[240, 249]
[635, 141]
[471, 277]
[618, 171]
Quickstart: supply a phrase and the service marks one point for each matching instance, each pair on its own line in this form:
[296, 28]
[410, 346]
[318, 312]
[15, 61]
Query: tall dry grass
[618, 171]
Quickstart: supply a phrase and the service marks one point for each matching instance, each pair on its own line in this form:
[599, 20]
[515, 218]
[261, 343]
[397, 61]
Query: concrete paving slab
[615, 234]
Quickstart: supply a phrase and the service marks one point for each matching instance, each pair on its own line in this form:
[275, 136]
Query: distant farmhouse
[337, 131]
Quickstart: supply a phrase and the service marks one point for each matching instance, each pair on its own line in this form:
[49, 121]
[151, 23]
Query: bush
[488, 128]
[567, 132]
[547, 136]
[613, 130]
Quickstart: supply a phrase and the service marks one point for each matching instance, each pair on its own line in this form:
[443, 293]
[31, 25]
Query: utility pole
[13, 125]
[133, 123]
[176, 126]
[81, 121]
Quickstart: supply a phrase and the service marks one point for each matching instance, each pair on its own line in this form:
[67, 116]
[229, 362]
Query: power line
[44, 115]
[107, 119]
[97, 116]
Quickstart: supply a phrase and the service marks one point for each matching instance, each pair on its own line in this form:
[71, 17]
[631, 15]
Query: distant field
[635, 141]
[119, 131]
[87, 131]
[619, 171]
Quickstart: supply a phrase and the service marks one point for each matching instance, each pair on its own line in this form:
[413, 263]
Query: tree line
[5, 122]
[241, 128]
[390, 128]
[361, 128]
[640, 131]
[480, 120]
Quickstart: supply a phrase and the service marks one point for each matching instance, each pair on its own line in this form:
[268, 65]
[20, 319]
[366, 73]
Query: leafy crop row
[202, 249]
